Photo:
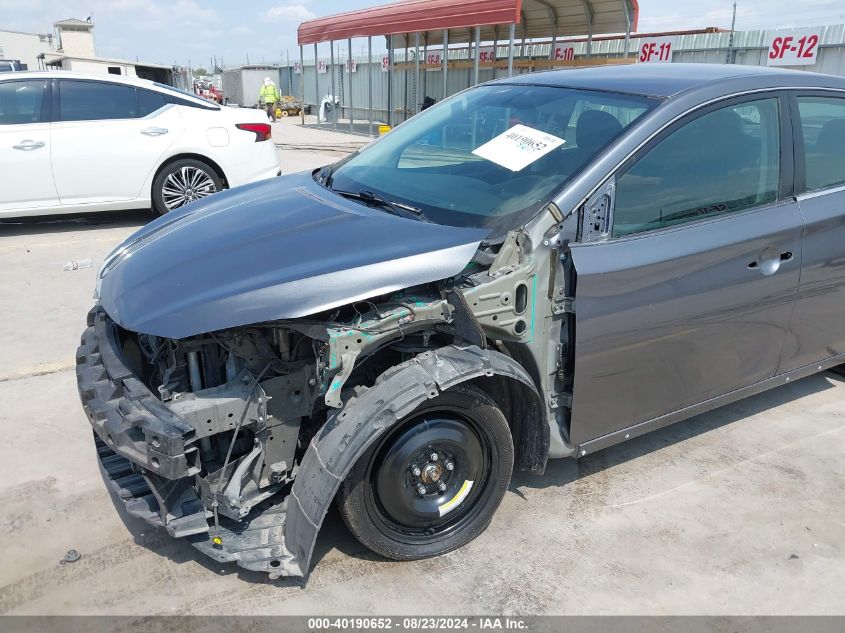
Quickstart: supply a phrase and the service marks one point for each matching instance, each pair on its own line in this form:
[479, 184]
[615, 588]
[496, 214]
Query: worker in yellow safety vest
[268, 96]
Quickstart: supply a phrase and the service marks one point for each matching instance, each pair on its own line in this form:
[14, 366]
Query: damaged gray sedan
[536, 268]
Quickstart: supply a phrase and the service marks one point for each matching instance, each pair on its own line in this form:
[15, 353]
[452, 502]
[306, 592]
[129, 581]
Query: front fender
[350, 431]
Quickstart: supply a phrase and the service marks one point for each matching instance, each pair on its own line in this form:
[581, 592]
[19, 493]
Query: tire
[379, 499]
[284, 113]
[201, 179]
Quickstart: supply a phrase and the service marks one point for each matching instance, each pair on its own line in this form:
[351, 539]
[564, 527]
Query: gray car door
[685, 289]
[817, 330]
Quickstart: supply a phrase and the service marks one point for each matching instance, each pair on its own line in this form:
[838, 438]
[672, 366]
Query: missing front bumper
[148, 455]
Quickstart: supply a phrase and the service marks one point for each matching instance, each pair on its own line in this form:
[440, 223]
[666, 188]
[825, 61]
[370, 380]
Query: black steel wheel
[433, 482]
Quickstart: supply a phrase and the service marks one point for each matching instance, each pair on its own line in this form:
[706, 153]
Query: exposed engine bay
[255, 396]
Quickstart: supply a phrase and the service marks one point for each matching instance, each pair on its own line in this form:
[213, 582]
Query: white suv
[71, 143]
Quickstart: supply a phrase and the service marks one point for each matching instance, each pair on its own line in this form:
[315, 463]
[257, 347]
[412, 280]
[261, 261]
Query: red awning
[412, 16]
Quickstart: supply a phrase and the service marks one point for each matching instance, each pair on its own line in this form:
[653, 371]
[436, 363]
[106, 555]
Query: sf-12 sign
[655, 50]
[793, 48]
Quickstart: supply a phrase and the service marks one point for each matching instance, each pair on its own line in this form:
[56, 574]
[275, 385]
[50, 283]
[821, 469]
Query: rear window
[173, 96]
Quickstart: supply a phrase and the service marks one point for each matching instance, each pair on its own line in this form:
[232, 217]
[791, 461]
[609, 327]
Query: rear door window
[725, 161]
[21, 102]
[96, 101]
[823, 130]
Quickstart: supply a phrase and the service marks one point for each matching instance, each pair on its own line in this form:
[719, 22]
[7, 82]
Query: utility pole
[730, 58]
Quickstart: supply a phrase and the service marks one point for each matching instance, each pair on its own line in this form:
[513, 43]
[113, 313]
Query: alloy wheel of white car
[182, 182]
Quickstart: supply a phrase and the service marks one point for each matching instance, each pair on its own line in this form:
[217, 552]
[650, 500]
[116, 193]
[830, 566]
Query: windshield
[489, 157]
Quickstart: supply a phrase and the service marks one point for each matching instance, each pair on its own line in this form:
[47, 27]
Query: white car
[73, 143]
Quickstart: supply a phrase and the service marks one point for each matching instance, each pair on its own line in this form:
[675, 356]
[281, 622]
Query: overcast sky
[168, 31]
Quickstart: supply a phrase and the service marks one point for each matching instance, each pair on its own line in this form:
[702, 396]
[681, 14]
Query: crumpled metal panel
[282, 248]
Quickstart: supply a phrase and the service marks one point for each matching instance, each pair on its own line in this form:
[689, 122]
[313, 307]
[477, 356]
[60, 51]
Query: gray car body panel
[279, 249]
[641, 303]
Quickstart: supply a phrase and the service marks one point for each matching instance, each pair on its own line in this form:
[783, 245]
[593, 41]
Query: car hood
[278, 249]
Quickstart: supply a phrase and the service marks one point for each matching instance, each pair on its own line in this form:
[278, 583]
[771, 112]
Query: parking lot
[738, 511]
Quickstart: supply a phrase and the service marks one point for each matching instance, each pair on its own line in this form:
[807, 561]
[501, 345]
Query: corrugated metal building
[709, 46]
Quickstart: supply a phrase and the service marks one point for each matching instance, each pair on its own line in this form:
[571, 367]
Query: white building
[75, 37]
[72, 47]
[27, 47]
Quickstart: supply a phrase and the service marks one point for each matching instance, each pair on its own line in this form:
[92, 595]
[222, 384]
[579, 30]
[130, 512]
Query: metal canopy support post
[370, 69]
[349, 83]
[316, 84]
[588, 13]
[302, 83]
[334, 94]
[445, 62]
[425, 57]
[390, 80]
[495, 48]
[523, 26]
[405, 71]
[470, 42]
[553, 18]
[477, 55]
[511, 34]
[628, 25]
[416, 72]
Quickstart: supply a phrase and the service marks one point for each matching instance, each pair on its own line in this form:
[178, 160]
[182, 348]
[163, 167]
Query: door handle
[155, 131]
[28, 145]
[770, 260]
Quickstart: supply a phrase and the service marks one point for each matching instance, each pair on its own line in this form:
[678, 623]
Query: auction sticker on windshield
[518, 147]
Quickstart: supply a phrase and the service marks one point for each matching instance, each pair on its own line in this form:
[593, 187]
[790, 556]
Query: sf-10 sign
[564, 53]
[655, 49]
[794, 48]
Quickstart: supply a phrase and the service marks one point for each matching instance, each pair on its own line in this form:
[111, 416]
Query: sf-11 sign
[793, 48]
[655, 50]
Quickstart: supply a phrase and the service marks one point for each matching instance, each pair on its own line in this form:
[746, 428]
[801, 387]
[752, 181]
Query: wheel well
[199, 157]
[521, 407]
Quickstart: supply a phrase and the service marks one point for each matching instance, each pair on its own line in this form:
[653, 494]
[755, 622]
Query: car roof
[68, 74]
[666, 80]
[117, 79]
